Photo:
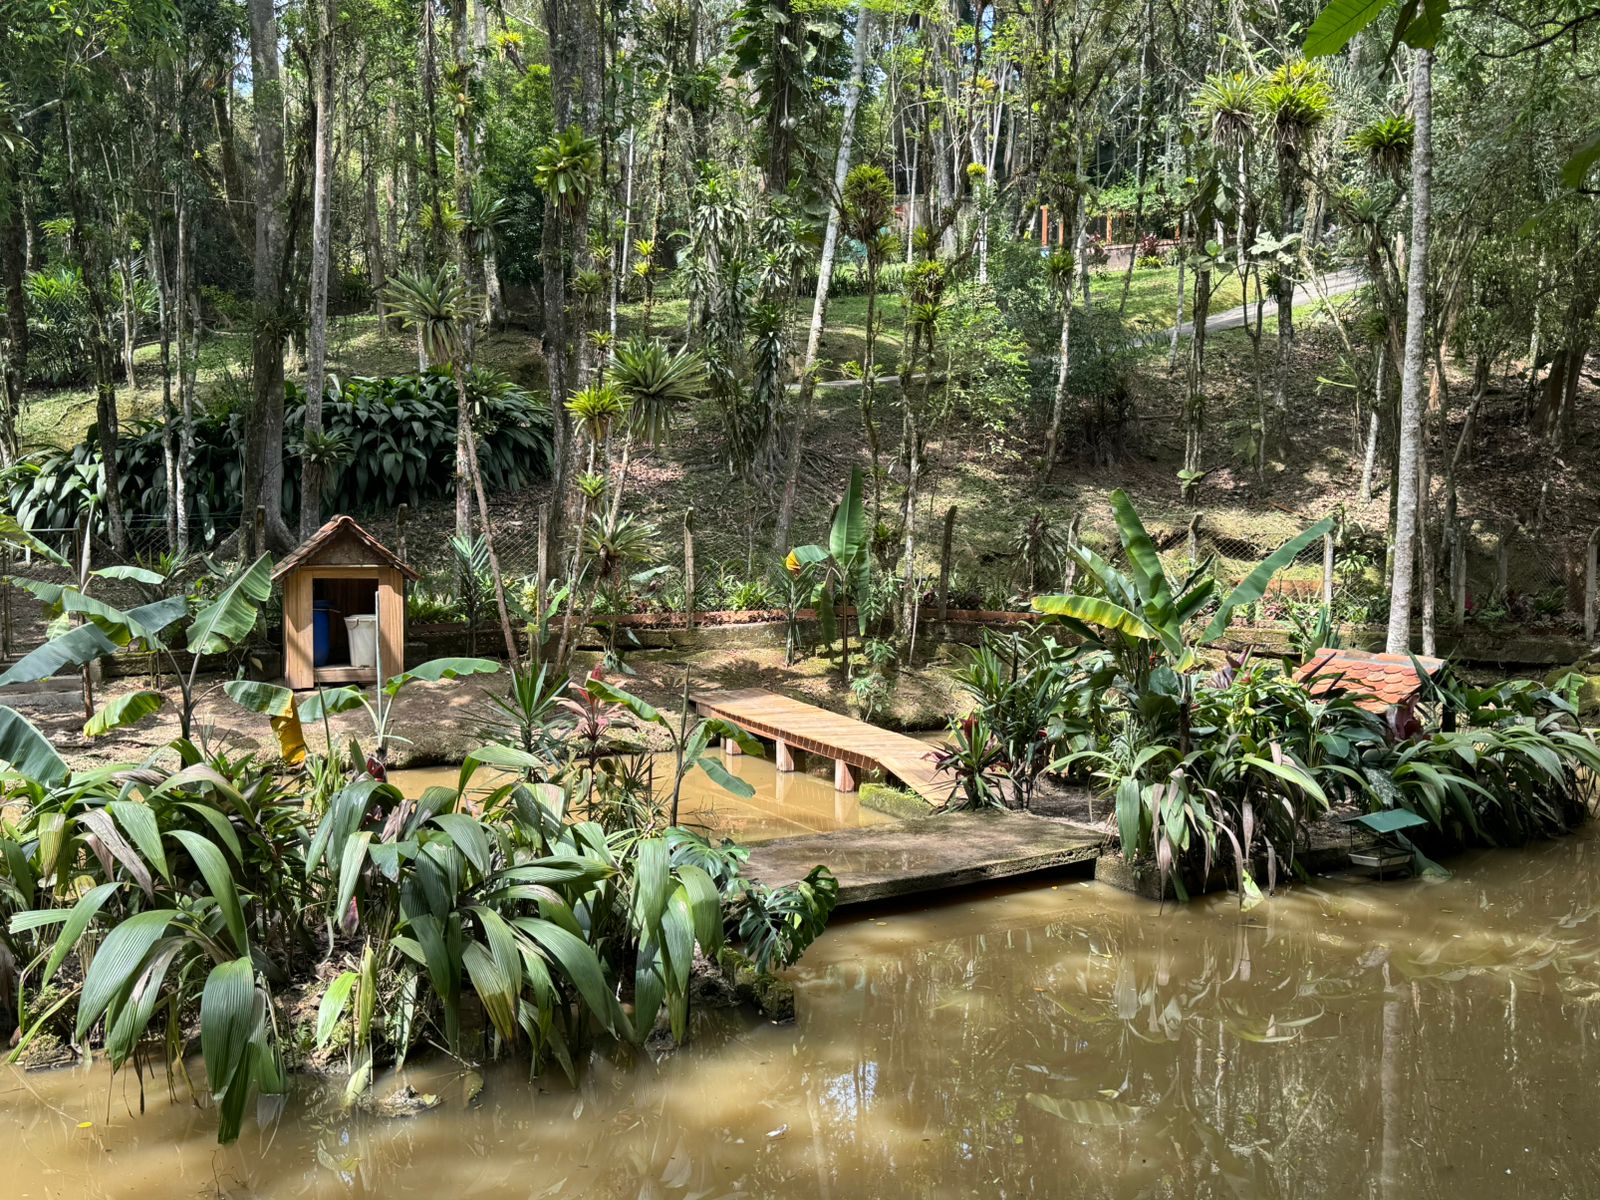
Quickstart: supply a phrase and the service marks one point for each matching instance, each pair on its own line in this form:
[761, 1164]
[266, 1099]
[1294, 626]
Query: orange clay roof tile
[1376, 680]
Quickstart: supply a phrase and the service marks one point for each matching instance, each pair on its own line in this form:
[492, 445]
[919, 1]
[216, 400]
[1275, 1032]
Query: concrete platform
[929, 854]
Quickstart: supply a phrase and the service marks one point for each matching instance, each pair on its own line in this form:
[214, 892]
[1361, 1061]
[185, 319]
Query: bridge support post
[844, 776]
[731, 747]
[783, 756]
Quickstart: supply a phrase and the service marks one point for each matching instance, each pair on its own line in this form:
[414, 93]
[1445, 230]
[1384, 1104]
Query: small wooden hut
[341, 571]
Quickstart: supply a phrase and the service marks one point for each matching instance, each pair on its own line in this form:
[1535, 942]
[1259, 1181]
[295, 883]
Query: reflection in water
[1342, 1040]
[785, 804]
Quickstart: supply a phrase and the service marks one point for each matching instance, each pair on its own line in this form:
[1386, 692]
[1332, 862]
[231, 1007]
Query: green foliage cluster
[59, 323]
[1204, 767]
[395, 438]
[554, 909]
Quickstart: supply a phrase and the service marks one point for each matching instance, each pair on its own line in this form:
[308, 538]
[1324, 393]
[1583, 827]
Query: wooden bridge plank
[817, 731]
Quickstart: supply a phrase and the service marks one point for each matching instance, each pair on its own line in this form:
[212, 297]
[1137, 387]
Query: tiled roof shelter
[1378, 680]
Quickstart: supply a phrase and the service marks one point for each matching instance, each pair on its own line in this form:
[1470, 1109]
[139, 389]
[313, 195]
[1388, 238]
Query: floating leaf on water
[1087, 1112]
[778, 1132]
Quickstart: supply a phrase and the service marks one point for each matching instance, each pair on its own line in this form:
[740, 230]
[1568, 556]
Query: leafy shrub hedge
[398, 437]
[59, 322]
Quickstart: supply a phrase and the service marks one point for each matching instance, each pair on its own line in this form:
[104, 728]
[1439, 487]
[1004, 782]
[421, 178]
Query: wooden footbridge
[854, 746]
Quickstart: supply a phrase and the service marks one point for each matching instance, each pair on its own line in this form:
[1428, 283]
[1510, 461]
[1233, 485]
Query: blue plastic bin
[323, 614]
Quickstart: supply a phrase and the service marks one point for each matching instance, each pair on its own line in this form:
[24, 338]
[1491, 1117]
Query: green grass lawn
[357, 346]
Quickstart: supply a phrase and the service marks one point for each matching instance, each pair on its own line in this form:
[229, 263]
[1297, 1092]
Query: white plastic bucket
[363, 631]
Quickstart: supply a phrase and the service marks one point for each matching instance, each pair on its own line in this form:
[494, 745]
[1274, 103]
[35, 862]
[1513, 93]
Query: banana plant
[844, 568]
[213, 627]
[290, 718]
[1144, 619]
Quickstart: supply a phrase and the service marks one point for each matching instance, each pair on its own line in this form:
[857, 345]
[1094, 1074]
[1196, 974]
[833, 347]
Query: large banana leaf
[25, 750]
[1148, 574]
[441, 668]
[848, 537]
[13, 534]
[268, 699]
[229, 618]
[330, 702]
[277, 705]
[1092, 610]
[1254, 585]
[123, 711]
[72, 650]
[122, 626]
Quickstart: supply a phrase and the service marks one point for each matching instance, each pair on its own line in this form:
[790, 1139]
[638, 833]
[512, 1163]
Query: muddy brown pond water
[1343, 1040]
[784, 804]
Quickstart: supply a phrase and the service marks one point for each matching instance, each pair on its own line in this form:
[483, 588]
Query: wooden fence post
[688, 567]
[400, 517]
[541, 578]
[1502, 565]
[944, 563]
[1591, 568]
[1458, 575]
[1070, 575]
[1327, 570]
[1191, 543]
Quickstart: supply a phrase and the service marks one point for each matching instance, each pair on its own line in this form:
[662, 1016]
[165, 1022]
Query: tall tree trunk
[1194, 399]
[263, 450]
[377, 267]
[430, 135]
[1058, 405]
[102, 358]
[186, 336]
[1405, 483]
[156, 248]
[574, 40]
[13, 265]
[819, 305]
[464, 81]
[311, 473]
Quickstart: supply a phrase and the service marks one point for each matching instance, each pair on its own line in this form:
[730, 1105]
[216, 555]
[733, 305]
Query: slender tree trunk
[1058, 405]
[1177, 317]
[1370, 462]
[377, 267]
[13, 265]
[101, 356]
[468, 262]
[819, 305]
[1140, 155]
[263, 450]
[1194, 405]
[311, 472]
[1406, 498]
[187, 335]
[157, 251]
